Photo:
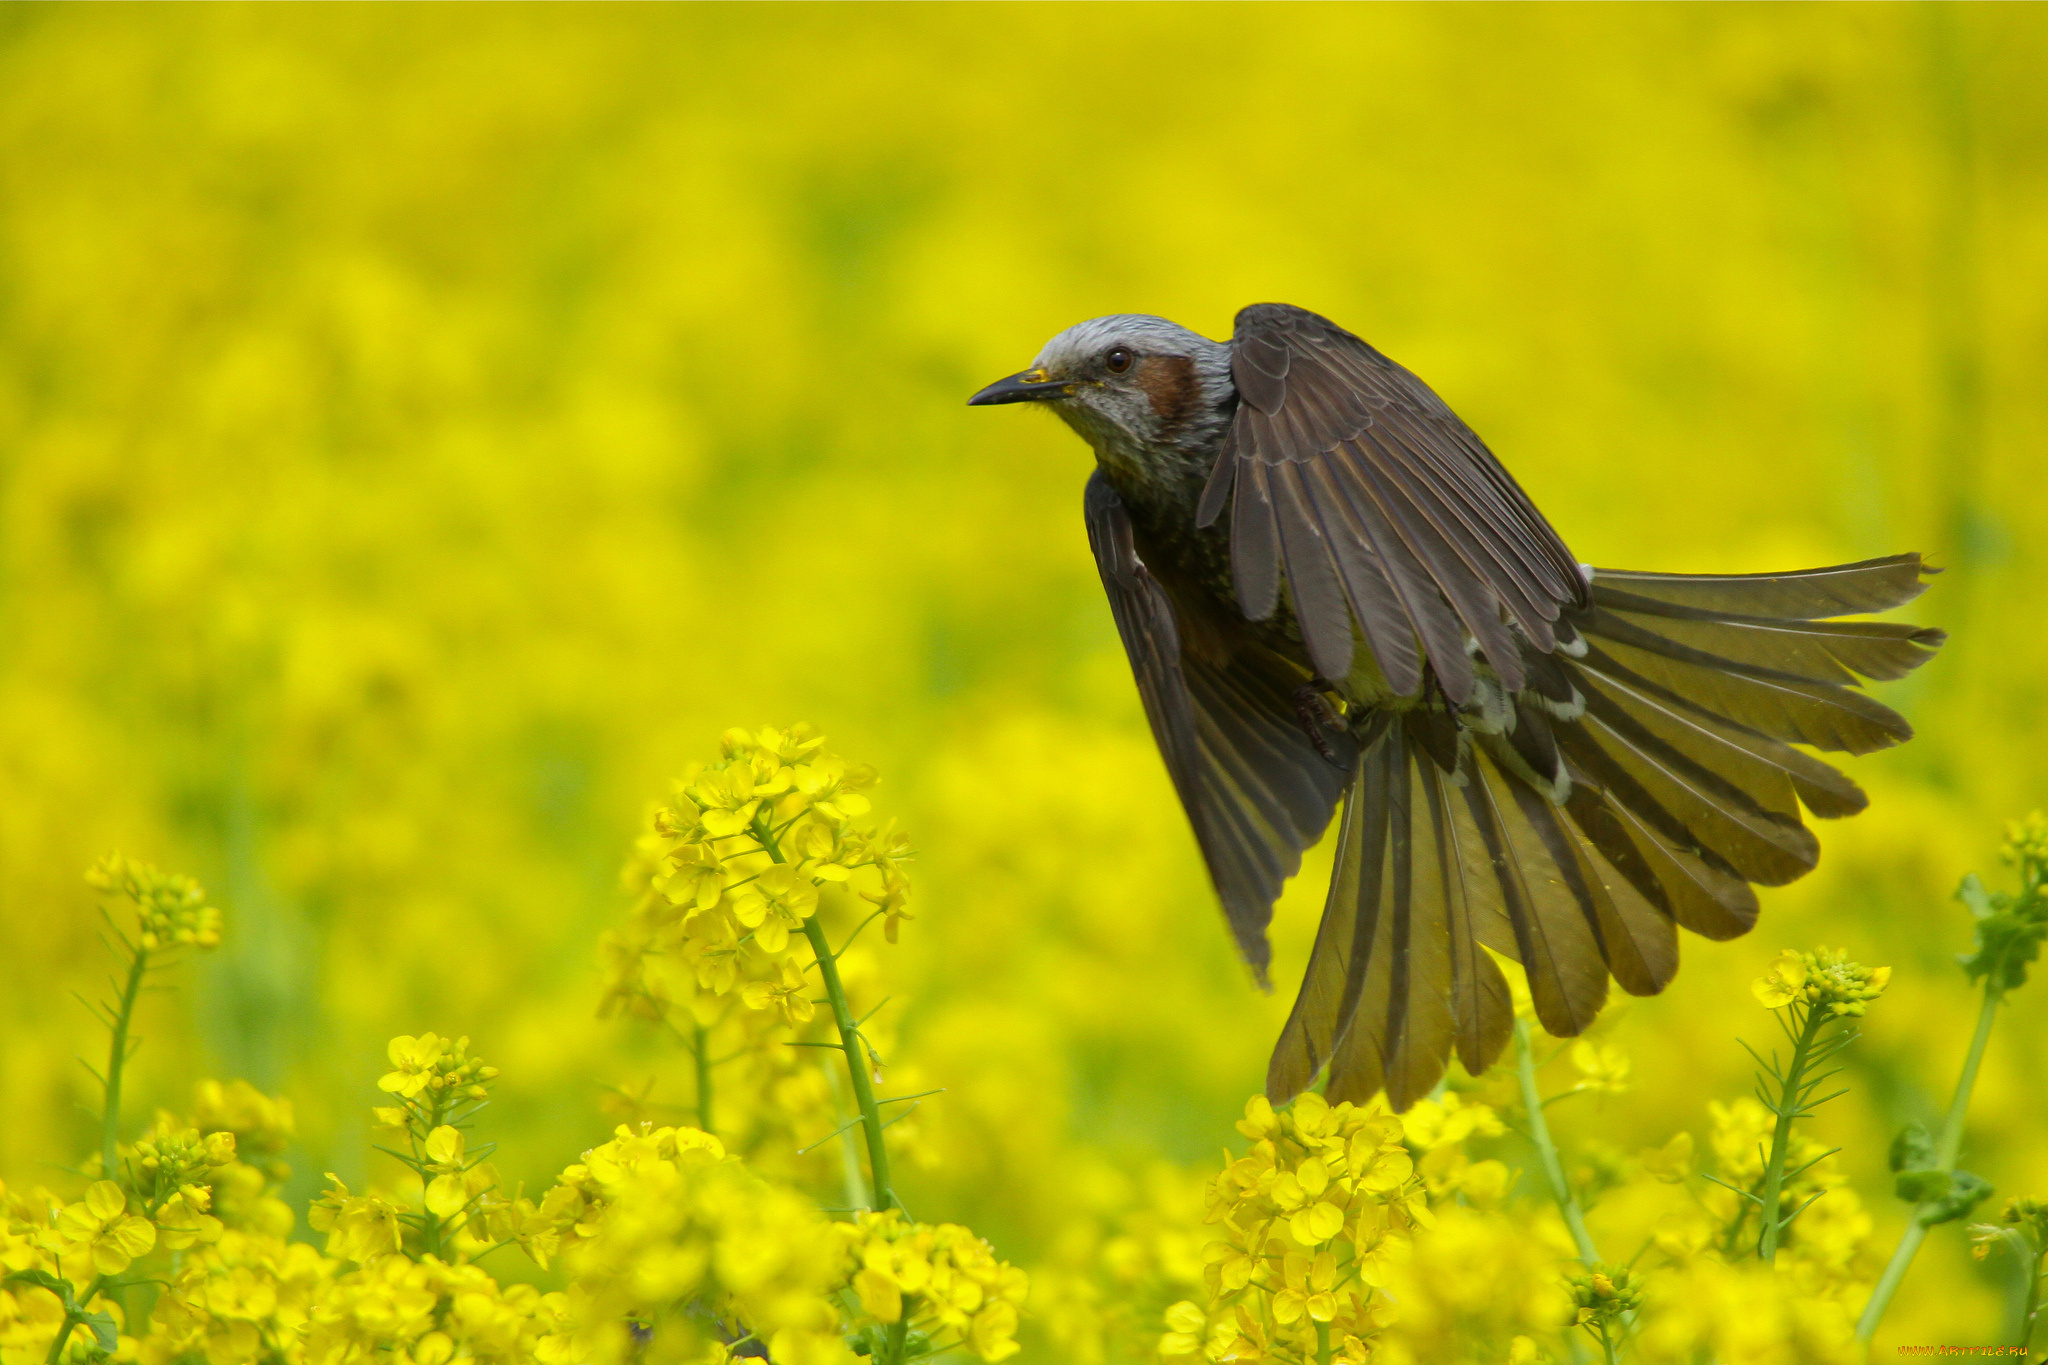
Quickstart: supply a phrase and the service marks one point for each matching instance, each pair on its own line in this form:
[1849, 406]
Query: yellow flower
[834, 788]
[1186, 1325]
[891, 900]
[171, 909]
[361, 1228]
[790, 992]
[1781, 982]
[431, 1063]
[258, 1122]
[726, 798]
[1824, 979]
[1603, 1068]
[414, 1060]
[1430, 1124]
[1672, 1162]
[182, 1220]
[444, 1147]
[100, 1226]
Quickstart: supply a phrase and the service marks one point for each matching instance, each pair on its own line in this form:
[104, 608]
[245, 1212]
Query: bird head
[1136, 387]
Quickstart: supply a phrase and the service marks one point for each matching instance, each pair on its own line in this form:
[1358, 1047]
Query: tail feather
[1788, 709]
[1808, 595]
[1817, 651]
[1552, 929]
[1643, 780]
[1777, 776]
[1343, 966]
[1694, 886]
[1764, 847]
[1482, 1008]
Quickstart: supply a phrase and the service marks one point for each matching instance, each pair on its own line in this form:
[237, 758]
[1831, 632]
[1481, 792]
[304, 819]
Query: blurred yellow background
[422, 430]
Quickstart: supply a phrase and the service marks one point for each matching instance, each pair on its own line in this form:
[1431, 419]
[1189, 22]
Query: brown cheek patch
[1169, 381]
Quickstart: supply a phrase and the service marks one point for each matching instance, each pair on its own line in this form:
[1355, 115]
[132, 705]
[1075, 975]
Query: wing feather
[1256, 790]
[1367, 444]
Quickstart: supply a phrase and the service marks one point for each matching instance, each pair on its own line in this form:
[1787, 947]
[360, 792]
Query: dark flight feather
[1458, 546]
[1256, 789]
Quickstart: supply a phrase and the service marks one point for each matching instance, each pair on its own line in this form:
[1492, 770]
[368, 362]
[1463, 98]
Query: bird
[1338, 604]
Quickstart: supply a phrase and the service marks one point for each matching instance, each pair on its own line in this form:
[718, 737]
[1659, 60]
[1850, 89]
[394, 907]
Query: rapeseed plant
[1341, 1233]
[671, 1248]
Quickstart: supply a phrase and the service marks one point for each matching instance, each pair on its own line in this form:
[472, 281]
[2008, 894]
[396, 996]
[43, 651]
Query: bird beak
[1026, 386]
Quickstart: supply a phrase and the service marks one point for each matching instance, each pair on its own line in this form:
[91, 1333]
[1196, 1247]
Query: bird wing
[1344, 470]
[1255, 787]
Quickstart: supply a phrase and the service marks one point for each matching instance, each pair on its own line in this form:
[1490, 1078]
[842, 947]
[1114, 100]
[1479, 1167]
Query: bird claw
[1315, 714]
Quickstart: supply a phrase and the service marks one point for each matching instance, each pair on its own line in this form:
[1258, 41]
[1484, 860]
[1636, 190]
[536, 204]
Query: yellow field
[424, 430]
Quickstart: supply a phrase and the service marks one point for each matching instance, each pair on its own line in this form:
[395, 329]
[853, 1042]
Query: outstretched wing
[1255, 788]
[1346, 471]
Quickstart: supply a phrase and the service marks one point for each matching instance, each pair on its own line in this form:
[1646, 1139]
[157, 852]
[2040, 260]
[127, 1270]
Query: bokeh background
[423, 430]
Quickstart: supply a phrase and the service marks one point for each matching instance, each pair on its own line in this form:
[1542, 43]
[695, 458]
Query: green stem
[2032, 1307]
[849, 1039]
[703, 1051]
[899, 1334]
[57, 1343]
[1945, 1154]
[72, 1320]
[1787, 1108]
[430, 1229]
[1546, 1150]
[1322, 1342]
[856, 1066]
[117, 1054]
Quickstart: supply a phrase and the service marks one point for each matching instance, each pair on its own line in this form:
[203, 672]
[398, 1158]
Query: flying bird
[1332, 594]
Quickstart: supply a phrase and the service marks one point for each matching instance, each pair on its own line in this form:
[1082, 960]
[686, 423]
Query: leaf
[2009, 933]
[105, 1335]
[1965, 1191]
[1912, 1149]
[1919, 1186]
[43, 1279]
[1982, 903]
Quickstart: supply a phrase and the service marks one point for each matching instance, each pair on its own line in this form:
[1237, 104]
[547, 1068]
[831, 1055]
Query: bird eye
[1119, 359]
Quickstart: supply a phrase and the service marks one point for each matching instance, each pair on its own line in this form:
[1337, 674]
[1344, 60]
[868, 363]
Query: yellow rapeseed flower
[1782, 981]
[1603, 1068]
[100, 1228]
[171, 908]
[1823, 979]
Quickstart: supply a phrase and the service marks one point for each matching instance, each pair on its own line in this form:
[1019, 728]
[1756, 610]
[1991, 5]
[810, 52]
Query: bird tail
[1643, 781]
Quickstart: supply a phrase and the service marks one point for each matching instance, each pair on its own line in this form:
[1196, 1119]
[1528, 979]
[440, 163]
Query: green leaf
[1980, 901]
[1965, 1191]
[2009, 934]
[1916, 1186]
[43, 1279]
[1912, 1149]
[104, 1334]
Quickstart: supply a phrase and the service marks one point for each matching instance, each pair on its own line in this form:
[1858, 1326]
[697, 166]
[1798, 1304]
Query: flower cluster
[427, 1312]
[246, 1297]
[681, 1248]
[751, 855]
[736, 863]
[430, 1072]
[180, 1188]
[1820, 979]
[171, 908]
[439, 1088]
[1312, 1216]
[1439, 1129]
[1740, 1314]
[1474, 1280]
[1112, 1277]
[942, 1286]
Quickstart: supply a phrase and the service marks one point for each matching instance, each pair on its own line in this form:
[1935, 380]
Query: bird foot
[1312, 710]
